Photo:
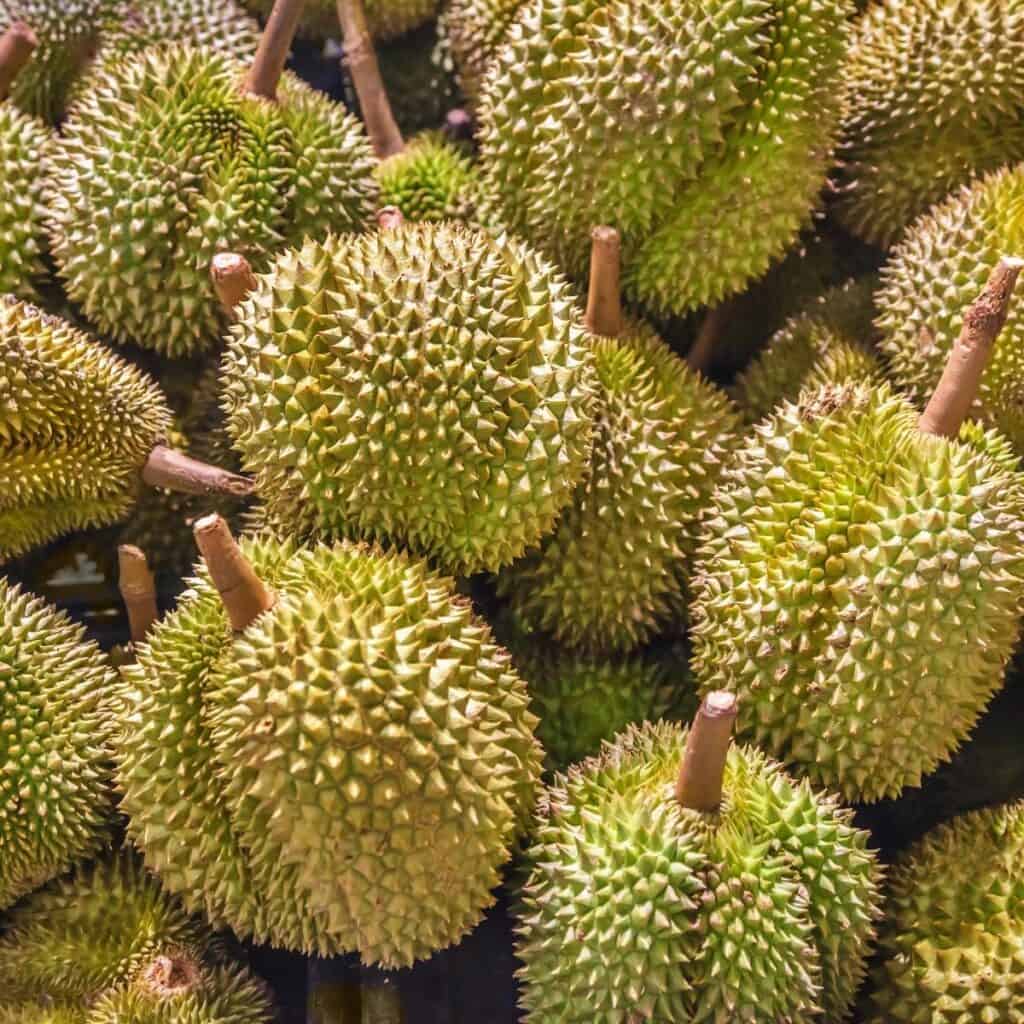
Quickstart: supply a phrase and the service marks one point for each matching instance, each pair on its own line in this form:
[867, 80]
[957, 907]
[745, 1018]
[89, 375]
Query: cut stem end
[699, 786]
[233, 280]
[244, 594]
[138, 590]
[390, 218]
[177, 471]
[16, 47]
[604, 307]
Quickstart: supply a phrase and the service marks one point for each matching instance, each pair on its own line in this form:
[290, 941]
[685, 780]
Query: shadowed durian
[56, 726]
[421, 88]
[713, 892]
[387, 19]
[702, 132]
[426, 385]
[935, 96]
[612, 574]
[858, 561]
[471, 32]
[950, 948]
[175, 154]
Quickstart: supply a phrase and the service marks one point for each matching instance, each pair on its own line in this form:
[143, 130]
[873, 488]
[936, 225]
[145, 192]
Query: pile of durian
[577, 452]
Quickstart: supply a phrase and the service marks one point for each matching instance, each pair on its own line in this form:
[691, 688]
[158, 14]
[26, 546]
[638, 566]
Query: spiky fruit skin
[471, 32]
[934, 92]
[428, 386]
[430, 181]
[828, 343]
[40, 1013]
[386, 19]
[950, 946]
[852, 566]
[639, 909]
[612, 574]
[76, 426]
[56, 796]
[347, 773]
[163, 162]
[654, 116]
[938, 269]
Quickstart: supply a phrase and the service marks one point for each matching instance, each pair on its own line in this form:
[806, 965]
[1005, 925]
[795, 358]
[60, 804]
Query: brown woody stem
[958, 387]
[176, 471]
[390, 218]
[244, 594]
[604, 309]
[361, 59]
[138, 590]
[699, 785]
[16, 46]
[701, 351]
[233, 279]
[272, 53]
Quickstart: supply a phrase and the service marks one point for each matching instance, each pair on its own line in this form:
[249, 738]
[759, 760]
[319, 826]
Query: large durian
[612, 574]
[346, 770]
[471, 32]
[426, 385]
[719, 892]
[56, 726]
[861, 574]
[703, 132]
[950, 948]
[935, 95]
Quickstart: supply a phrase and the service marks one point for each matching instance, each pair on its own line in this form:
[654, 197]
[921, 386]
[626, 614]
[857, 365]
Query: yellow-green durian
[471, 32]
[386, 19]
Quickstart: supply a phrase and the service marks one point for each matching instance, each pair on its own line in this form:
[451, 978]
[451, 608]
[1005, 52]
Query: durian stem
[138, 590]
[604, 308]
[390, 218]
[246, 597]
[361, 59]
[176, 471]
[16, 46]
[701, 351]
[272, 53]
[233, 279]
[952, 399]
[702, 772]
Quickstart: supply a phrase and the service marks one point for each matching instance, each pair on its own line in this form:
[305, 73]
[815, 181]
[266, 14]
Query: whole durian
[950, 948]
[471, 32]
[935, 96]
[56, 725]
[612, 574]
[345, 772]
[426, 385]
[725, 892]
[702, 132]
[857, 563]
[387, 19]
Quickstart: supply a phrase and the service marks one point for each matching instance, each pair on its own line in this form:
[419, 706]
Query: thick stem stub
[957, 389]
[702, 772]
[390, 218]
[272, 53]
[176, 471]
[138, 590]
[245, 595]
[16, 46]
[604, 308]
[233, 279]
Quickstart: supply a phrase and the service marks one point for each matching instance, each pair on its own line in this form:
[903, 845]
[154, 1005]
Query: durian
[40, 1013]
[950, 948]
[56, 725]
[935, 94]
[387, 19]
[426, 385]
[702, 132]
[861, 573]
[347, 770]
[420, 87]
[612, 574]
[471, 32]
[719, 892]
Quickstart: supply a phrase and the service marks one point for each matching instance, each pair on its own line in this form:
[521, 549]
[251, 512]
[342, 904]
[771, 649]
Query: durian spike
[244, 594]
[16, 46]
[138, 590]
[361, 59]
[604, 307]
[699, 785]
[390, 218]
[715, 319]
[272, 53]
[958, 387]
[233, 279]
[176, 471]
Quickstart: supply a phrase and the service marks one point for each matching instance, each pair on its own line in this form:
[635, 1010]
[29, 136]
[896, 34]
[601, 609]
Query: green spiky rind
[420, 84]
[429, 387]
[654, 116]
[56, 794]
[828, 343]
[431, 180]
[851, 565]
[935, 90]
[636, 904]
[386, 19]
[90, 930]
[950, 946]
[76, 426]
[41, 1013]
[612, 574]
[471, 32]
[163, 162]
[938, 269]
[24, 145]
